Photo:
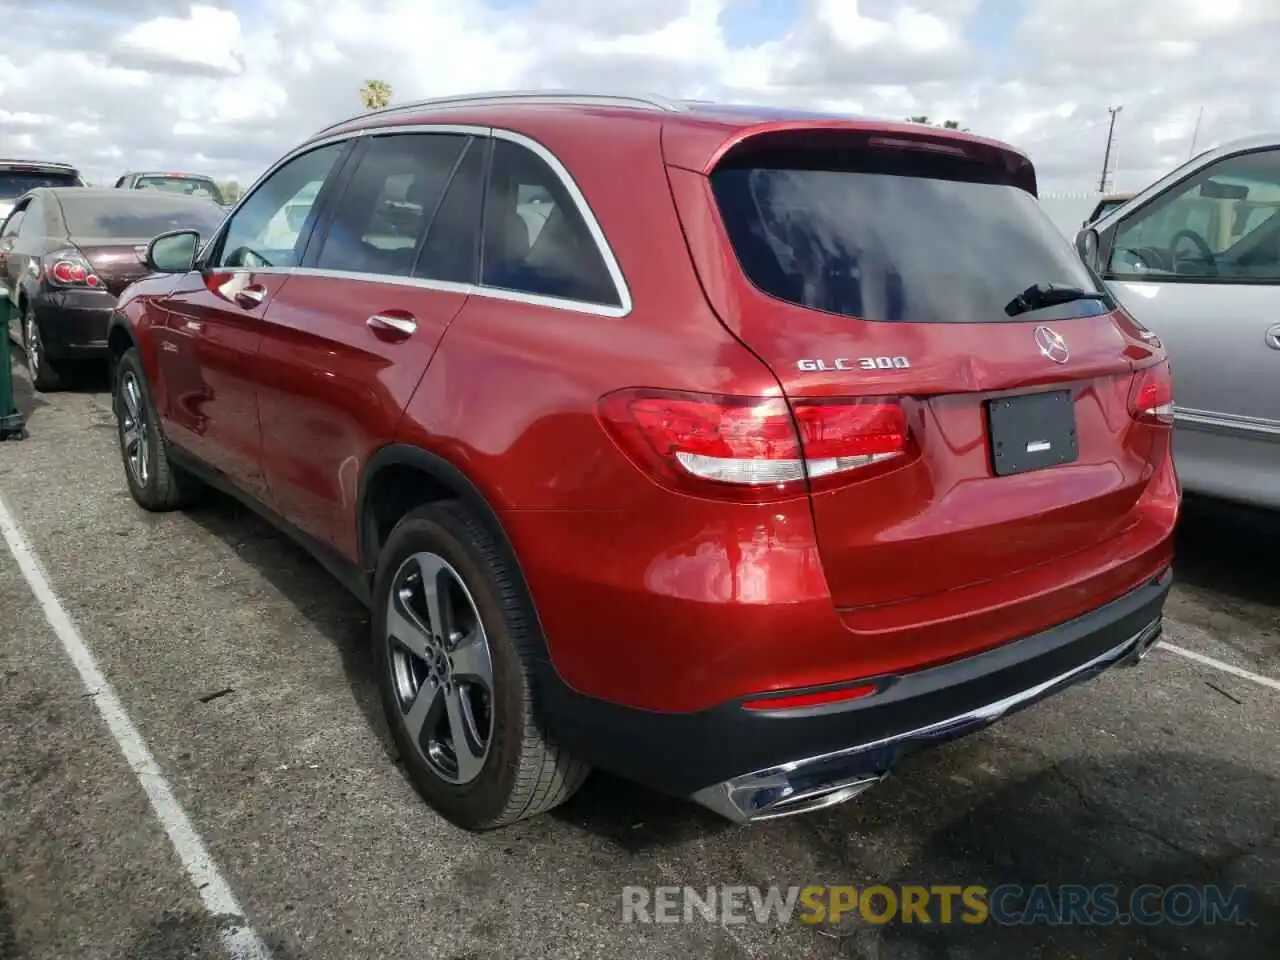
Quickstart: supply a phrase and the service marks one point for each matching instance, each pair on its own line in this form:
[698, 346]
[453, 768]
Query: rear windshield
[130, 217]
[189, 186]
[889, 247]
[14, 183]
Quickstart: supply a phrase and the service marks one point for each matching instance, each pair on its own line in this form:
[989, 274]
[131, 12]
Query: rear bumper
[73, 323]
[751, 765]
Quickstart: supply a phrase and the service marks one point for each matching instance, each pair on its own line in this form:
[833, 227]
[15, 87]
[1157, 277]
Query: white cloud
[207, 38]
[228, 85]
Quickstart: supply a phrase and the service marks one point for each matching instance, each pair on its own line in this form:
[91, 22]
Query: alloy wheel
[441, 668]
[133, 428]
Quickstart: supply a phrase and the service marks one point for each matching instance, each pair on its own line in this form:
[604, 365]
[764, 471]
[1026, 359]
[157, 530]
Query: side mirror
[173, 252]
[1087, 247]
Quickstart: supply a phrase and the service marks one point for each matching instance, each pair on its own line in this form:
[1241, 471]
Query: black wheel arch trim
[119, 320]
[466, 490]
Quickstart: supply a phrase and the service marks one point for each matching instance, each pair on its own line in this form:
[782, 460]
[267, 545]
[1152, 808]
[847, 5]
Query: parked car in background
[737, 452]
[19, 176]
[1195, 258]
[67, 253]
[190, 184]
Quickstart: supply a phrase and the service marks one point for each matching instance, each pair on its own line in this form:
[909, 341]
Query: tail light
[751, 448]
[1151, 396]
[68, 269]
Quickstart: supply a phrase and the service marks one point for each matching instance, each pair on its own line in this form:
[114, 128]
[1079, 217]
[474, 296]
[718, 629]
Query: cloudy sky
[225, 86]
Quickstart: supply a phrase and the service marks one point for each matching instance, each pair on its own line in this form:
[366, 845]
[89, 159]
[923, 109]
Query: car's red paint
[650, 598]
[206, 347]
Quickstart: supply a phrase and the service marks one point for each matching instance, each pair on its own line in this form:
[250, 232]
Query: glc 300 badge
[854, 363]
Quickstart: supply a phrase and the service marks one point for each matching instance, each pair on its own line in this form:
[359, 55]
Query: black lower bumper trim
[687, 754]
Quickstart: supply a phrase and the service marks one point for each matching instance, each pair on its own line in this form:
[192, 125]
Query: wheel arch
[120, 337]
[401, 477]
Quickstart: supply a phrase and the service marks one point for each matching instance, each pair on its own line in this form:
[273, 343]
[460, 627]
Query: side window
[267, 230]
[452, 248]
[33, 223]
[535, 240]
[1220, 224]
[379, 222]
[13, 223]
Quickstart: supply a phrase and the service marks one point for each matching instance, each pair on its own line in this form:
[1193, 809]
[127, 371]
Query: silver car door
[1199, 264]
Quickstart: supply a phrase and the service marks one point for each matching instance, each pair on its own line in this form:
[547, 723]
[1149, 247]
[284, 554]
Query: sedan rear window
[187, 186]
[14, 183]
[885, 246]
[137, 215]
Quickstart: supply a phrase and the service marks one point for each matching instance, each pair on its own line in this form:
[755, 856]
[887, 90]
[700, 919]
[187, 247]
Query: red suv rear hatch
[970, 438]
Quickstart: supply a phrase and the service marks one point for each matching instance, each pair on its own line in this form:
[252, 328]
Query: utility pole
[1195, 134]
[1106, 157]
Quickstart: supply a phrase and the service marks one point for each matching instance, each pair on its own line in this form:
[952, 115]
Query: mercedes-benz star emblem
[1052, 345]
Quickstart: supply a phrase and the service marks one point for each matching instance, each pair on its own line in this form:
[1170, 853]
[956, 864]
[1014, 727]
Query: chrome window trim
[439, 286]
[614, 311]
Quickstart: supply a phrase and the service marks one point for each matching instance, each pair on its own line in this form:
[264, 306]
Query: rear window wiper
[1040, 295]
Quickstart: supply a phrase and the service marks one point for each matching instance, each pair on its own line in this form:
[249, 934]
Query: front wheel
[154, 481]
[454, 651]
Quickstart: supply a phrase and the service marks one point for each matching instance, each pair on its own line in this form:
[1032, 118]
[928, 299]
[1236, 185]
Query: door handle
[1272, 336]
[393, 325]
[252, 296]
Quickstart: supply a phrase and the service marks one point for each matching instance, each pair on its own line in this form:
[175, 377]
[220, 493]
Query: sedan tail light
[751, 448]
[67, 268]
[1151, 396]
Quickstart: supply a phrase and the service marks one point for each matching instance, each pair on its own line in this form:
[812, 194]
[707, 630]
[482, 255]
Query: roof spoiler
[711, 147]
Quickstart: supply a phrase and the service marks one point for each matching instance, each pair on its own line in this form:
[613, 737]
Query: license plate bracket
[1032, 431]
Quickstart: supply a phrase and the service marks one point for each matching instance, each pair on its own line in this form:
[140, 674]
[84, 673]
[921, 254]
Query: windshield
[14, 183]
[190, 186]
[888, 247]
[130, 217]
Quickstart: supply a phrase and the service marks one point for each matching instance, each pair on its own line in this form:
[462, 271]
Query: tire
[523, 772]
[160, 486]
[46, 376]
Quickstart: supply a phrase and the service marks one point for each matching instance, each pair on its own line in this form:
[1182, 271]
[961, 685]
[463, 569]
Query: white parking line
[1219, 665]
[238, 938]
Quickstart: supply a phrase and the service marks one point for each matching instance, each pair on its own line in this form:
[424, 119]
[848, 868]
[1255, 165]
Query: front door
[1200, 266]
[208, 344]
[347, 341]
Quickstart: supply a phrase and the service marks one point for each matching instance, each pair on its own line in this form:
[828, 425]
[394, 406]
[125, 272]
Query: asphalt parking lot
[241, 666]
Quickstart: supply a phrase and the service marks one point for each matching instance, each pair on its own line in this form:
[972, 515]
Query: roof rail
[38, 163]
[582, 97]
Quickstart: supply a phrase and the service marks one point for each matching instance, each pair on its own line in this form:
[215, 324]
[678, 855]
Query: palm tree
[375, 94]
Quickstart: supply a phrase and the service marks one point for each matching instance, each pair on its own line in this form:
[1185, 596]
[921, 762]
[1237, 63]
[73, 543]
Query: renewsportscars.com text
[1008, 904]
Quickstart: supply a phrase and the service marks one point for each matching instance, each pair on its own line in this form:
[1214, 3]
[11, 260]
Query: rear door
[208, 344]
[1200, 265]
[888, 288]
[346, 343]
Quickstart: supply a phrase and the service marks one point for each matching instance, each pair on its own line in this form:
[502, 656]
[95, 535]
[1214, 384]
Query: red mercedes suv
[734, 451]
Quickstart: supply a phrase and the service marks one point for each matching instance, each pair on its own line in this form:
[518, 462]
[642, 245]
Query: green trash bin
[12, 424]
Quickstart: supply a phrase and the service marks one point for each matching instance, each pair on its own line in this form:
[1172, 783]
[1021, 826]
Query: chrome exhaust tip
[1143, 643]
[773, 794]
